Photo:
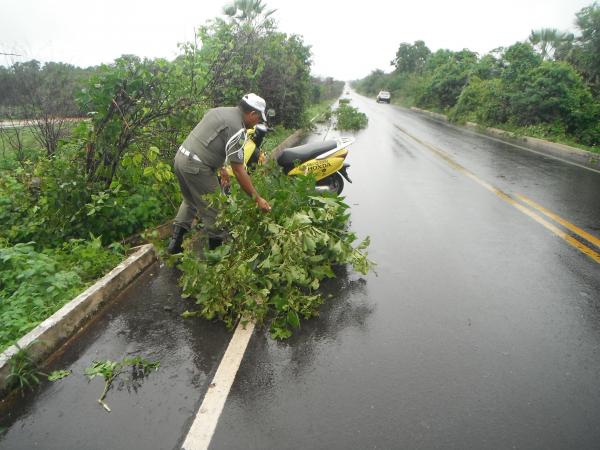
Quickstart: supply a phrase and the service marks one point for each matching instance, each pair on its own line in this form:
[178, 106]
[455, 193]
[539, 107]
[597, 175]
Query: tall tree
[410, 58]
[587, 57]
[248, 11]
[548, 40]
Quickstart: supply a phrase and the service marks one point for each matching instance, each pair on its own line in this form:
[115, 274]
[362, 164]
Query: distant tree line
[137, 101]
[548, 85]
[325, 89]
[26, 86]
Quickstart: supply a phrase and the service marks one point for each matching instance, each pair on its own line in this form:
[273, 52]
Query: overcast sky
[348, 39]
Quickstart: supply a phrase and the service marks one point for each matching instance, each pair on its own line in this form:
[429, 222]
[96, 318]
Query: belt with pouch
[189, 154]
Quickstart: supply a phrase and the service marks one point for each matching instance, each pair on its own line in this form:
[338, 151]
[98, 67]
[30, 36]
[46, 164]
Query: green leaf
[153, 153]
[309, 244]
[280, 333]
[58, 375]
[187, 314]
[293, 319]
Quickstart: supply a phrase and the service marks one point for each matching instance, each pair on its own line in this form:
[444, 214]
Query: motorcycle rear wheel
[333, 183]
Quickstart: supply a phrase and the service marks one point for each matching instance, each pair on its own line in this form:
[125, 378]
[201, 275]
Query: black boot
[214, 242]
[176, 240]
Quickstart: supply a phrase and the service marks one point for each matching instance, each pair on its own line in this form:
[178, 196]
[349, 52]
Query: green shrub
[67, 205]
[555, 92]
[482, 101]
[446, 73]
[15, 203]
[274, 263]
[35, 284]
[350, 118]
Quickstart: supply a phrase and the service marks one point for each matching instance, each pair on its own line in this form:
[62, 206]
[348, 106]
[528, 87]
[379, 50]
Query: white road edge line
[512, 144]
[547, 155]
[477, 133]
[207, 417]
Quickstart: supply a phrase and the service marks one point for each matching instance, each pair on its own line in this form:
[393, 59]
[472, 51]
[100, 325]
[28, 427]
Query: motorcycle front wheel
[332, 183]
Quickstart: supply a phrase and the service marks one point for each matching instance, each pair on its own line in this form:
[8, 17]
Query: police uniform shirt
[219, 137]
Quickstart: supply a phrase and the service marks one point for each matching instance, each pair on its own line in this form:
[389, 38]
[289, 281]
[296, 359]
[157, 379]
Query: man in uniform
[218, 139]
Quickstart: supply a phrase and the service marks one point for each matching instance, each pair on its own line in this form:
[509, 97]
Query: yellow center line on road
[565, 223]
[511, 201]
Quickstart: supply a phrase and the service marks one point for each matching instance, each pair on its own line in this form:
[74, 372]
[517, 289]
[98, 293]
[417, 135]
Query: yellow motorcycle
[323, 160]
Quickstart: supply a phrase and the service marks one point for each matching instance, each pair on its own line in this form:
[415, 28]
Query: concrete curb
[162, 231]
[68, 320]
[290, 141]
[561, 151]
[430, 113]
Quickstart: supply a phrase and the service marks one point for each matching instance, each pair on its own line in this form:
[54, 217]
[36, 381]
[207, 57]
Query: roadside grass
[276, 137]
[23, 372]
[31, 147]
[542, 131]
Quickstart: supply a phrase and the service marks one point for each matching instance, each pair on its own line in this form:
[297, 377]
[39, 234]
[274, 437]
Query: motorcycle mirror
[271, 113]
[262, 127]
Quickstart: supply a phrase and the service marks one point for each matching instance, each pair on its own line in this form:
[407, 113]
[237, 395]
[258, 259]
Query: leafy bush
[443, 87]
[15, 202]
[350, 118]
[273, 264]
[34, 284]
[482, 101]
[67, 205]
[555, 92]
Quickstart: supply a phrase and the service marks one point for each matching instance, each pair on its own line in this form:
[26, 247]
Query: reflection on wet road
[482, 328]
[151, 414]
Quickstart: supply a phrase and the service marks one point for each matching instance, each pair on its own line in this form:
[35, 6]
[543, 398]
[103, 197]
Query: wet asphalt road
[480, 330]
[153, 413]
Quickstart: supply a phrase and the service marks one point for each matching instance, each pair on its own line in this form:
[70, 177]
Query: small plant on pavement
[58, 375]
[110, 370]
[23, 372]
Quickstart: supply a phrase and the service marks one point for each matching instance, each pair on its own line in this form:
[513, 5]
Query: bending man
[218, 139]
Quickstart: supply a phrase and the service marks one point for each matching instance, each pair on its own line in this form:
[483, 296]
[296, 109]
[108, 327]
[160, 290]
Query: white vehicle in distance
[383, 96]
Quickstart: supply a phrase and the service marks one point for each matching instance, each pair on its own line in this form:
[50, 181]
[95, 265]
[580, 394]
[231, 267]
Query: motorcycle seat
[305, 152]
